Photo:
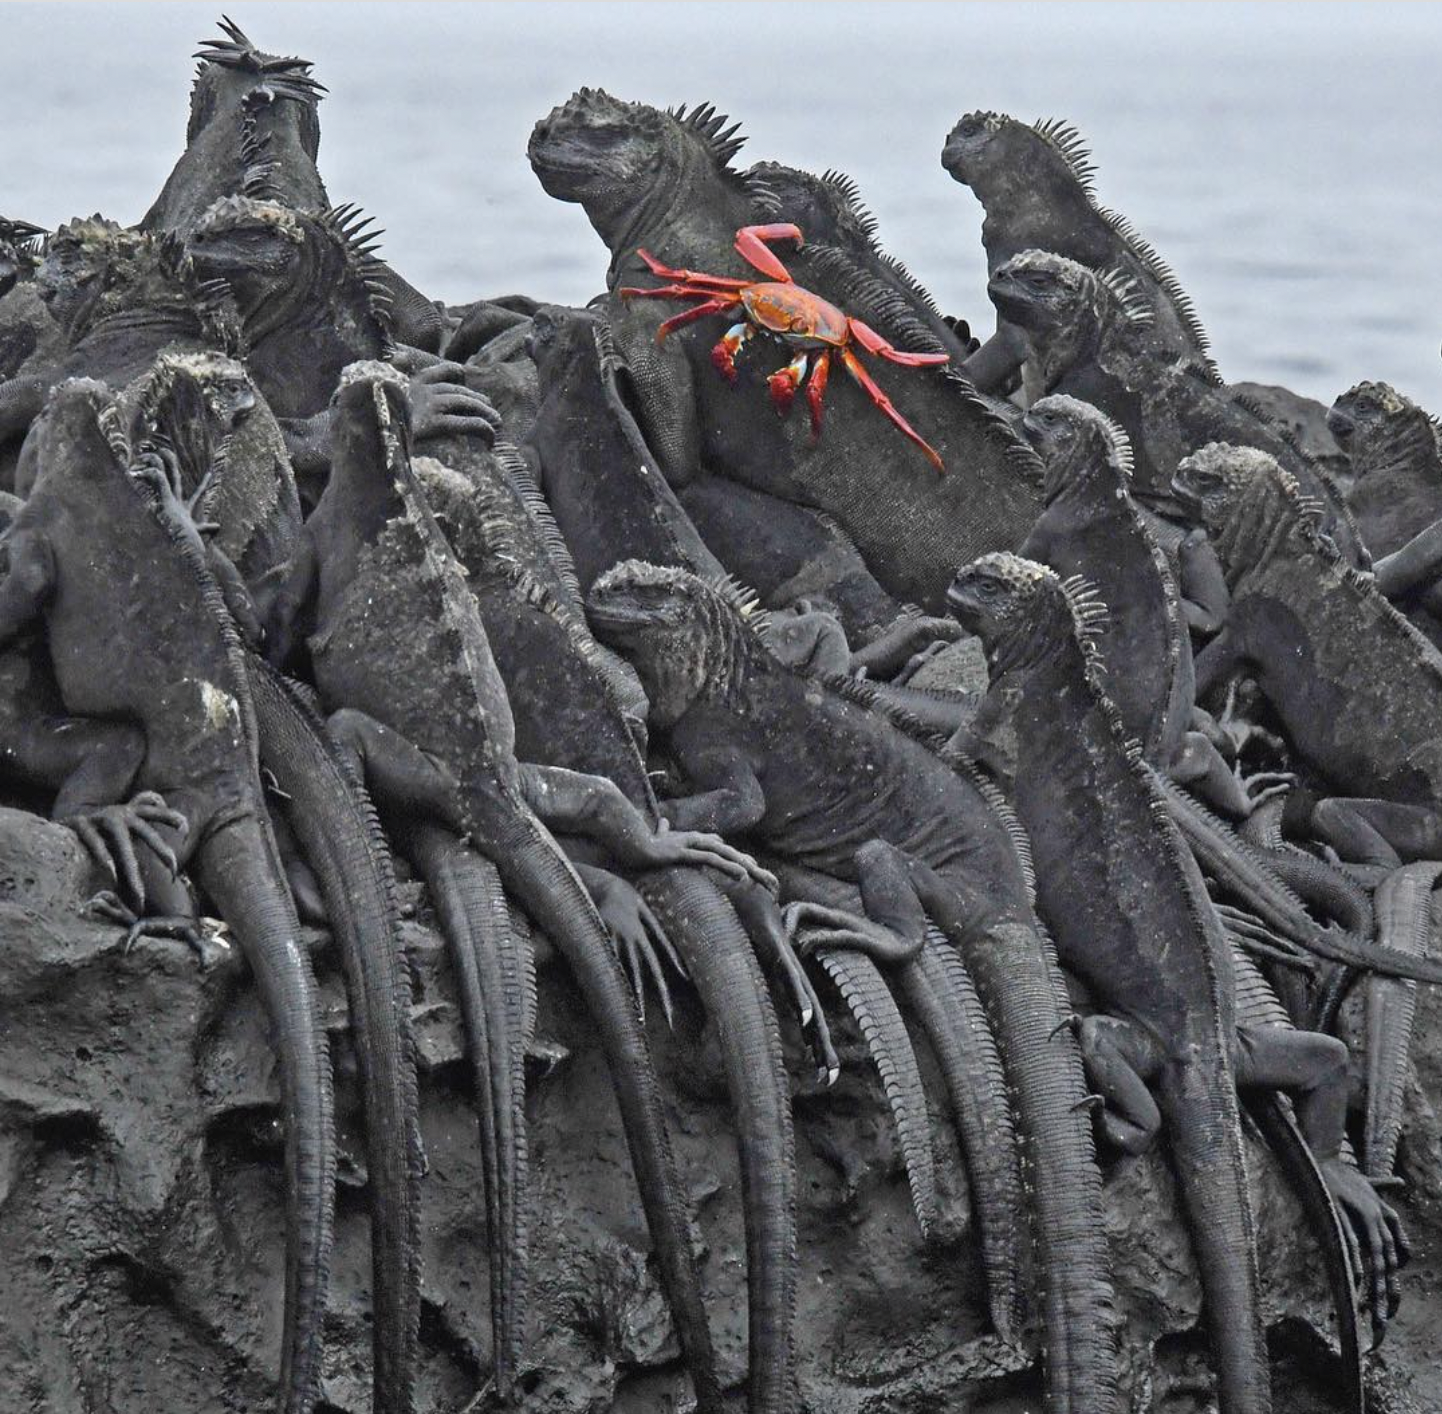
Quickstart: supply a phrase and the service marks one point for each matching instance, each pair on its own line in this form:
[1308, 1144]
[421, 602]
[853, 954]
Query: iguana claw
[204, 936]
[668, 846]
[108, 833]
[837, 928]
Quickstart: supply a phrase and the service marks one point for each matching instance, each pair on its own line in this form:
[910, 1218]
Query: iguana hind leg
[1119, 1056]
[1384, 832]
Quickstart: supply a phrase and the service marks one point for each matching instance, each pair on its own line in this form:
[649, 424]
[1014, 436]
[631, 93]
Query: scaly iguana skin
[435, 733]
[1083, 328]
[664, 181]
[1131, 917]
[165, 656]
[1396, 494]
[190, 405]
[570, 714]
[1035, 182]
[834, 787]
[25, 325]
[254, 130]
[1358, 689]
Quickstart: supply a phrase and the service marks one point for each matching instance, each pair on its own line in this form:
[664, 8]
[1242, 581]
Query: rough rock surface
[140, 1208]
[1305, 418]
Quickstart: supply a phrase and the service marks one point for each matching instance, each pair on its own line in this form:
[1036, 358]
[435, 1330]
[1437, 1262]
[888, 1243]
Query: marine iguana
[1357, 688]
[832, 786]
[254, 130]
[165, 656]
[308, 293]
[570, 714]
[1131, 917]
[435, 736]
[1395, 450]
[1082, 330]
[1035, 182]
[24, 323]
[1092, 528]
[19, 252]
[187, 405]
[664, 181]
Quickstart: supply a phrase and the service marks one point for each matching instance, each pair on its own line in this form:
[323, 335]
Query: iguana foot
[1375, 1239]
[641, 941]
[204, 936]
[109, 832]
[837, 928]
[668, 846]
[442, 405]
[1252, 934]
[1262, 786]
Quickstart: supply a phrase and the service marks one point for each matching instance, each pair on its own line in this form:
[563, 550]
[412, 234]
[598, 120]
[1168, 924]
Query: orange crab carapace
[815, 328]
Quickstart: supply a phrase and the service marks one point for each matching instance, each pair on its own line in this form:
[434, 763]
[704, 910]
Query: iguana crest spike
[1071, 146]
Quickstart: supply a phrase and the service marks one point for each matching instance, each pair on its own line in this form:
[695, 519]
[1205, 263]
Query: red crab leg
[854, 368]
[700, 311]
[785, 381]
[816, 386]
[750, 249]
[872, 342]
[671, 292]
[727, 347]
[691, 277]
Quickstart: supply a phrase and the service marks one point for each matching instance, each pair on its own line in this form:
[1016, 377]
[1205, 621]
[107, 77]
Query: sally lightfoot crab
[809, 324]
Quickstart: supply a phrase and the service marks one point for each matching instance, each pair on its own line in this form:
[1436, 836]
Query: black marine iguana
[434, 733]
[570, 714]
[664, 181]
[1081, 329]
[1035, 182]
[1357, 688]
[165, 656]
[309, 296]
[254, 131]
[1131, 917]
[1092, 528]
[830, 785]
[202, 414]
[1395, 450]
[24, 323]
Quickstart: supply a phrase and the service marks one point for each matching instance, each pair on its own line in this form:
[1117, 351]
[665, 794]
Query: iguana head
[1373, 421]
[1021, 610]
[609, 155]
[1212, 482]
[993, 152]
[77, 263]
[1040, 291]
[828, 208]
[248, 243]
[222, 385]
[978, 144]
[19, 251]
[686, 638]
[1076, 440]
[81, 432]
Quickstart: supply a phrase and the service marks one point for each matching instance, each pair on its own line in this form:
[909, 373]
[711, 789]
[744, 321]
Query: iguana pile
[254, 131]
[1082, 332]
[829, 785]
[1035, 182]
[402, 662]
[663, 181]
[1126, 904]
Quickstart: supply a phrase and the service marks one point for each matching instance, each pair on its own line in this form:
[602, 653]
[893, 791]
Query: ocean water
[1284, 158]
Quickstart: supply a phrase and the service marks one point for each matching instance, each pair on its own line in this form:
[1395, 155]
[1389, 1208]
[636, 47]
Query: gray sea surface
[1283, 157]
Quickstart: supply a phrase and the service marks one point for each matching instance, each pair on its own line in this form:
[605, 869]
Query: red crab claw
[785, 381]
[854, 368]
[873, 343]
[723, 355]
[714, 283]
[750, 248]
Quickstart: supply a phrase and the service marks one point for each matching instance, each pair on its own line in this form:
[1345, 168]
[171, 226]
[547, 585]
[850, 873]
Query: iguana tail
[337, 828]
[540, 878]
[496, 980]
[940, 994]
[1199, 1099]
[239, 866]
[719, 956]
[1019, 980]
[875, 1012]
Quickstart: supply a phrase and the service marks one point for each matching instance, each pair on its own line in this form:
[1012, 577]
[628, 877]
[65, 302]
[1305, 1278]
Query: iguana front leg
[731, 799]
[1312, 1069]
[594, 806]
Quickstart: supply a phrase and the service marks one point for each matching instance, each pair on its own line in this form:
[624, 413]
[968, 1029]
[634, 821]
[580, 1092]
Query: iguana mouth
[1339, 424]
[613, 620]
